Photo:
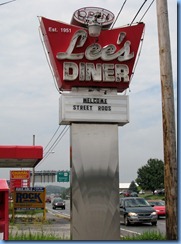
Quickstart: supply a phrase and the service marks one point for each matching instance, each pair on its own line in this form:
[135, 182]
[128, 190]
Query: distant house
[124, 186]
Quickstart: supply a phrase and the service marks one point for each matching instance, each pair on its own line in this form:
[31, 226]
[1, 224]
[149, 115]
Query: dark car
[136, 210]
[133, 194]
[58, 203]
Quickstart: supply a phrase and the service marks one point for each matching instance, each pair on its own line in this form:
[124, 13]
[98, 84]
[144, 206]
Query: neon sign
[79, 60]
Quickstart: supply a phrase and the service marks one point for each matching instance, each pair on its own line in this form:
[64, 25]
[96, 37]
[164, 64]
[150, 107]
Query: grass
[151, 236]
[34, 237]
[152, 197]
[146, 236]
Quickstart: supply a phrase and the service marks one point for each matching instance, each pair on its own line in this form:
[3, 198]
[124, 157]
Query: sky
[29, 101]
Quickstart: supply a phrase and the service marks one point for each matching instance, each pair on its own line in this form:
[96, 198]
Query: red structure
[20, 156]
[80, 60]
[4, 213]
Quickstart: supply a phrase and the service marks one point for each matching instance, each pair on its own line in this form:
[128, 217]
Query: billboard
[19, 178]
[79, 60]
[29, 198]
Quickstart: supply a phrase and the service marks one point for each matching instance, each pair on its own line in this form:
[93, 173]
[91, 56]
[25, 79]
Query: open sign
[84, 15]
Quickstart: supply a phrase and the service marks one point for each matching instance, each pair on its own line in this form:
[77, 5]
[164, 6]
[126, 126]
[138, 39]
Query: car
[134, 210]
[159, 207]
[58, 203]
[126, 193]
[159, 192]
[130, 194]
[133, 194]
[48, 199]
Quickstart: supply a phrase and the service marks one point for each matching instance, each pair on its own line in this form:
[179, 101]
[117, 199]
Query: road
[65, 212]
[139, 229]
[125, 230]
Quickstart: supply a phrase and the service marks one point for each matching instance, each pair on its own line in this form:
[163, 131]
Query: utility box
[4, 210]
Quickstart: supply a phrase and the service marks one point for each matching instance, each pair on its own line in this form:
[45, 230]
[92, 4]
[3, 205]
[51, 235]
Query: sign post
[93, 66]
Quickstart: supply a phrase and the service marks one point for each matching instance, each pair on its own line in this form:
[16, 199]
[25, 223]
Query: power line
[138, 12]
[60, 136]
[63, 133]
[55, 142]
[7, 2]
[118, 14]
[52, 137]
[146, 11]
[140, 49]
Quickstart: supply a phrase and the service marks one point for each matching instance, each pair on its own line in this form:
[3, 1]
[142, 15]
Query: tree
[133, 187]
[151, 175]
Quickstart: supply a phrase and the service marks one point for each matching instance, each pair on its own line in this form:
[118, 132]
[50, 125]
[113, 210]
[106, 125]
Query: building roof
[20, 156]
[124, 185]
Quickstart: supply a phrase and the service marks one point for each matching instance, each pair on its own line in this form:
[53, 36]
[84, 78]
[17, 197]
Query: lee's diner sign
[79, 60]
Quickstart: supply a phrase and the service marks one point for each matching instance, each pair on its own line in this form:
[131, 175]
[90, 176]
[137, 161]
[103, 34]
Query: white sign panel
[93, 108]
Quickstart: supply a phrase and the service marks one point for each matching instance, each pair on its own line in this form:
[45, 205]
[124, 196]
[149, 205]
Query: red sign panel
[19, 178]
[20, 174]
[79, 60]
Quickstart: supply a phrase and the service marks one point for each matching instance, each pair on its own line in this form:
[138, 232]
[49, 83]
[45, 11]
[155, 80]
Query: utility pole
[168, 114]
[33, 170]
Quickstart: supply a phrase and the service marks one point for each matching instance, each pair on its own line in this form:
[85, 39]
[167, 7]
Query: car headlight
[132, 214]
[153, 213]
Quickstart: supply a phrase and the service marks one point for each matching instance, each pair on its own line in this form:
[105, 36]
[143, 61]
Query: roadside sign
[63, 176]
[78, 61]
[29, 198]
[19, 178]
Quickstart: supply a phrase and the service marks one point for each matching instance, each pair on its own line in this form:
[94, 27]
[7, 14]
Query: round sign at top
[87, 15]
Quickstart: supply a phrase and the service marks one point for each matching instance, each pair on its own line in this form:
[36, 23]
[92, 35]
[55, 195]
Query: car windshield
[136, 202]
[157, 203]
[58, 200]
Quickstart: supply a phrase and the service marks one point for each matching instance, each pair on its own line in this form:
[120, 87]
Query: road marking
[59, 214]
[133, 232]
